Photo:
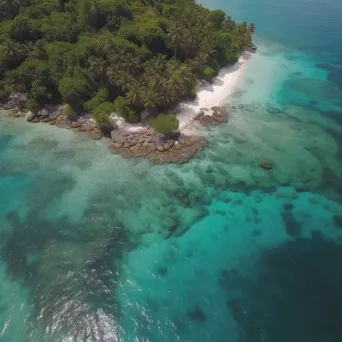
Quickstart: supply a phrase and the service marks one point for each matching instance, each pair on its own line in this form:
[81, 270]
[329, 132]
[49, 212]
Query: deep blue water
[85, 244]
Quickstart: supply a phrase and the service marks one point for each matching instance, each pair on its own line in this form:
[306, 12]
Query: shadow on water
[70, 271]
[295, 296]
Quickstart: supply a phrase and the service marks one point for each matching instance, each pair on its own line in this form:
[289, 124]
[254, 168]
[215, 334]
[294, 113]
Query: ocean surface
[86, 246]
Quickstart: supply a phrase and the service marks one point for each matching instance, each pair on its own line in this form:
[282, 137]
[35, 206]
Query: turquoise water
[86, 245]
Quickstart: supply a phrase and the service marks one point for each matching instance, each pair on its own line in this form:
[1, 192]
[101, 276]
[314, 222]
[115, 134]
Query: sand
[212, 94]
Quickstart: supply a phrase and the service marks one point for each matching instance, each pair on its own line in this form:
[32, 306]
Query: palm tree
[13, 52]
[9, 8]
[98, 67]
[159, 62]
[131, 64]
[175, 35]
[133, 93]
[149, 98]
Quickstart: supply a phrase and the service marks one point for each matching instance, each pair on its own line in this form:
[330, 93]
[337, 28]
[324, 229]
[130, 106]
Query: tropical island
[138, 59]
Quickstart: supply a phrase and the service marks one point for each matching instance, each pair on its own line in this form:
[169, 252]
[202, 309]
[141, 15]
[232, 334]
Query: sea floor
[95, 247]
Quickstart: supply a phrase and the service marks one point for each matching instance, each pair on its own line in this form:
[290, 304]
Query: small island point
[137, 72]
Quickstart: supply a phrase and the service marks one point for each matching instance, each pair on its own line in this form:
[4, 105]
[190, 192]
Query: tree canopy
[135, 54]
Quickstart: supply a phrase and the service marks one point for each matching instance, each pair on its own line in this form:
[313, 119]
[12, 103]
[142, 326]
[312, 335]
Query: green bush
[32, 105]
[122, 108]
[192, 93]
[68, 111]
[164, 123]
[102, 112]
[91, 104]
[208, 73]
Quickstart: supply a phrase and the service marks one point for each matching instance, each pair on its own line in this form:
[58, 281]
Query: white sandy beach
[211, 94]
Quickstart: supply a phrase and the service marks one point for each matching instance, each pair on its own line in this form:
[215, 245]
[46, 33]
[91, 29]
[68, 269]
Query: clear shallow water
[86, 252]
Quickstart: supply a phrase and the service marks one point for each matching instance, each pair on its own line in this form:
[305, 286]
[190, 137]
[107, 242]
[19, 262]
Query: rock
[273, 110]
[199, 115]
[54, 117]
[8, 106]
[117, 137]
[107, 129]
[182, 141]
[35, 120]
[151, 148]
[52, 122]
[221, 117]
[43, 113]
[63, 123]
[171, 224]
[127, 144]
[169, 144]
[81, 129]
[46, 119]
[118, 144]
[266, 165]
[95, 134]
[18, 100]
[75, 124]
[160, 147]
[30, 116]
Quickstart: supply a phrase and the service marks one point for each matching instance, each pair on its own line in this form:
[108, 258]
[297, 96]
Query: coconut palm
[149, 98]
[176, 35]
[98, 67]
[133, 93]
[9, 8]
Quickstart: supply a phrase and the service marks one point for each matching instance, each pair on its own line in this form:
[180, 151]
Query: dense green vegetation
[105, 55]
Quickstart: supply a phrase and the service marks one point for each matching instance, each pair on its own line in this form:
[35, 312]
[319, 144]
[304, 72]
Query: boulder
[18, 100]
[160, 147]
[43, 113]
[118, 144]
[46, 119]
[8, 106]
[95, 134]
[52, 122]
[35, 120]
[30, 116]
[220, 117]
[266, 165]
[81, 129]
[117, 137]
[76, 124]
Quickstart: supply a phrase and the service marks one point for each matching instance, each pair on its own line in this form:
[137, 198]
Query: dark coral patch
[292, 226]
[196, 314]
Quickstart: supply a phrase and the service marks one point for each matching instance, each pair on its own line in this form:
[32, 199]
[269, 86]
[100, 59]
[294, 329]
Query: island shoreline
[138, 140]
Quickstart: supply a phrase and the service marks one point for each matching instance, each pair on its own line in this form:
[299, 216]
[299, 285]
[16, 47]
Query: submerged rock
[338, 220]
[197, 314]
[273, 110]
[292, 226]
[266, 165]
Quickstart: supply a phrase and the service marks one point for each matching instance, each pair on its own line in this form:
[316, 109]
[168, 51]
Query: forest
[127, 56]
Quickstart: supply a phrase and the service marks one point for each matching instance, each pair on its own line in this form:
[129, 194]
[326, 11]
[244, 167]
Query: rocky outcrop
[30, 116]
[178, 149]
[213, 116]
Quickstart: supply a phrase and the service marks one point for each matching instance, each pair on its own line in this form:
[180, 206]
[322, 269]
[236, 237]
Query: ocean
[86, 250]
